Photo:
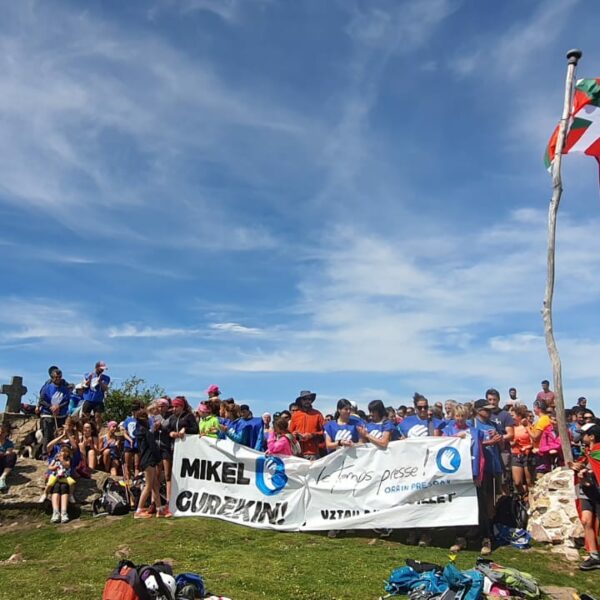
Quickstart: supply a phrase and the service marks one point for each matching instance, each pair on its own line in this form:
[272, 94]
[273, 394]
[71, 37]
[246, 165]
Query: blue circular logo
[270, 475]
[448, 459]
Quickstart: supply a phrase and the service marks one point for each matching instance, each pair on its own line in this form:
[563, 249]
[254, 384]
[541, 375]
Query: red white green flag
[583, 134]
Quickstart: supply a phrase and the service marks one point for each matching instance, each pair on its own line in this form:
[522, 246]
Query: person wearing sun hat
[307, 425]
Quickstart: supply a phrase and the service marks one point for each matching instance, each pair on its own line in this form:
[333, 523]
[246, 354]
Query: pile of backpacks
[154, 582]
[428, 581]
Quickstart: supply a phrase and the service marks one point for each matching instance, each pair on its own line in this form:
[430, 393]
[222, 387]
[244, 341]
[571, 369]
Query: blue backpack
[401, 580]
[467, 585]
[517, 538]
[191, 581]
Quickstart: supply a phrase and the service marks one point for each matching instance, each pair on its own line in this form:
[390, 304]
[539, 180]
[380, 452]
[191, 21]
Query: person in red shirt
[547, 395]
[307, 425]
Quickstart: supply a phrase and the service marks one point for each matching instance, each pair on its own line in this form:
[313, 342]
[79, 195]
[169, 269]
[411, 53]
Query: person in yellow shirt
[540, 408]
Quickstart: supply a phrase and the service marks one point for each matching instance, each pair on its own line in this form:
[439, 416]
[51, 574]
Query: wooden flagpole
[573, 57]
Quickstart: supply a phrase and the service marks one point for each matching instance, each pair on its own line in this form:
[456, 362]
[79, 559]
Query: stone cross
[15, 391]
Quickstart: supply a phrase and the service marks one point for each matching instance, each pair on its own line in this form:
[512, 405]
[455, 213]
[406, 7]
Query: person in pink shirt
[281, 441]
[547, 395]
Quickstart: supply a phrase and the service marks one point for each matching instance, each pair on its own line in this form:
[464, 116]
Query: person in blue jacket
[256, 435]
[53, 405]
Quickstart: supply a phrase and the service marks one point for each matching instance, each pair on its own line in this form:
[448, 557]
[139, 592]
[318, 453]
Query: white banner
[418, 482]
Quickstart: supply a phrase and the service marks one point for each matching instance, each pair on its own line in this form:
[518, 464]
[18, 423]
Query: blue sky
[341, 196]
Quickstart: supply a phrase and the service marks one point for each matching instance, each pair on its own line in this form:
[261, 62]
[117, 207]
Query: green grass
[73, 561]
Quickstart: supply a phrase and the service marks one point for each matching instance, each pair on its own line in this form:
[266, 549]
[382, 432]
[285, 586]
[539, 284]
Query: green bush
[118, 400]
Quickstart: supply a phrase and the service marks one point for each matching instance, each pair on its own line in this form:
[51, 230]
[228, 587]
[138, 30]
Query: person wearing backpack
[281, 441]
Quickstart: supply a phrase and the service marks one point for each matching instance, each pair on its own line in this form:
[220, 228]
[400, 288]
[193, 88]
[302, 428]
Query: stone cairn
[553, 515]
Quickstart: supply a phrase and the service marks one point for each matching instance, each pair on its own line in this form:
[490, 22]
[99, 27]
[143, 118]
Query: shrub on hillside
[118, 400]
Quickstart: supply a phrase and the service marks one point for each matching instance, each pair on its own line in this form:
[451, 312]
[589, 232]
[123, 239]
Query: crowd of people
[511, 444]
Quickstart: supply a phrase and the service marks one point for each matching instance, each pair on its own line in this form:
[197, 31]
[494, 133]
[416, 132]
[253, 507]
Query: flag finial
[573, 56]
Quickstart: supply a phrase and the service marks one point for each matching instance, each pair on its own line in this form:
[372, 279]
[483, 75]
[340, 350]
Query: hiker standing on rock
[53, 406]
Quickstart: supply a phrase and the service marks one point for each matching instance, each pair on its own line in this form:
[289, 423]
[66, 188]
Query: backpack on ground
[512, 512]
[517, 538]
[518, 582]
[190, 585]
[125, 583]
[401, 580]
[113, 501]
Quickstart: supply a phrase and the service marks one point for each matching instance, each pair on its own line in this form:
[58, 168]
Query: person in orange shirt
[307, 425]
[523, 464]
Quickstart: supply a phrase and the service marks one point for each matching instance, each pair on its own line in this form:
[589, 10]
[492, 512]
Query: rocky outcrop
[26, 484]
[553, 515]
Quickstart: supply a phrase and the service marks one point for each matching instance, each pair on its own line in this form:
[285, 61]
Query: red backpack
[124, 583]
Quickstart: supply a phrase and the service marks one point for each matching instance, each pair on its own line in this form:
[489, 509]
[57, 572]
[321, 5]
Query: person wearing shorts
[588, 471]
[523, 460]
[96, 385]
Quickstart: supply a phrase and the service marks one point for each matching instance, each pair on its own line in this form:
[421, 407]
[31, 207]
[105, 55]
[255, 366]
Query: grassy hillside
[72, 561]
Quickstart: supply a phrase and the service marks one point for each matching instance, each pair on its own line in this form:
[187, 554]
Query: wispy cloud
[516, 49]
[236, 328]
[134, 331]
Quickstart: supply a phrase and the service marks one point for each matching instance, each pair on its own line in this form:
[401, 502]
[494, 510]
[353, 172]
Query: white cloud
[133, 331]
[62, 105]
[236, 328]
[45, 320]
[383, 306]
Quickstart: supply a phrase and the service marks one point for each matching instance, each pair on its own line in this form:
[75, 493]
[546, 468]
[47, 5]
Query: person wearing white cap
[96, 386]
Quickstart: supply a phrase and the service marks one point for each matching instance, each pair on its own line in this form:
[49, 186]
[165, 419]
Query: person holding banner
[209, 411]
[459, 427]
[379, 430]
[307, 425]
[345, 429]
[421, 423]
[182, 421]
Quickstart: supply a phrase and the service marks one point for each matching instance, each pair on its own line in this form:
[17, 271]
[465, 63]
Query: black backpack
[113, 500]
[512, 512]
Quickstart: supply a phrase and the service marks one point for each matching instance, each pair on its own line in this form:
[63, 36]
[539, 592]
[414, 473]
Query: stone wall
[553, 515]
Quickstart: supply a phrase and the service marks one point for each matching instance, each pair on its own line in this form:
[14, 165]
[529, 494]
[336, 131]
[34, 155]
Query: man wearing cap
[492, 471]
[307, 425]
[588, 475]
[505, 426]
[213, 392]
[96, 385]
[547, 395]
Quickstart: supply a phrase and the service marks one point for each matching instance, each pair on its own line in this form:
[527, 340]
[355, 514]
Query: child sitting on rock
[60, 469]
